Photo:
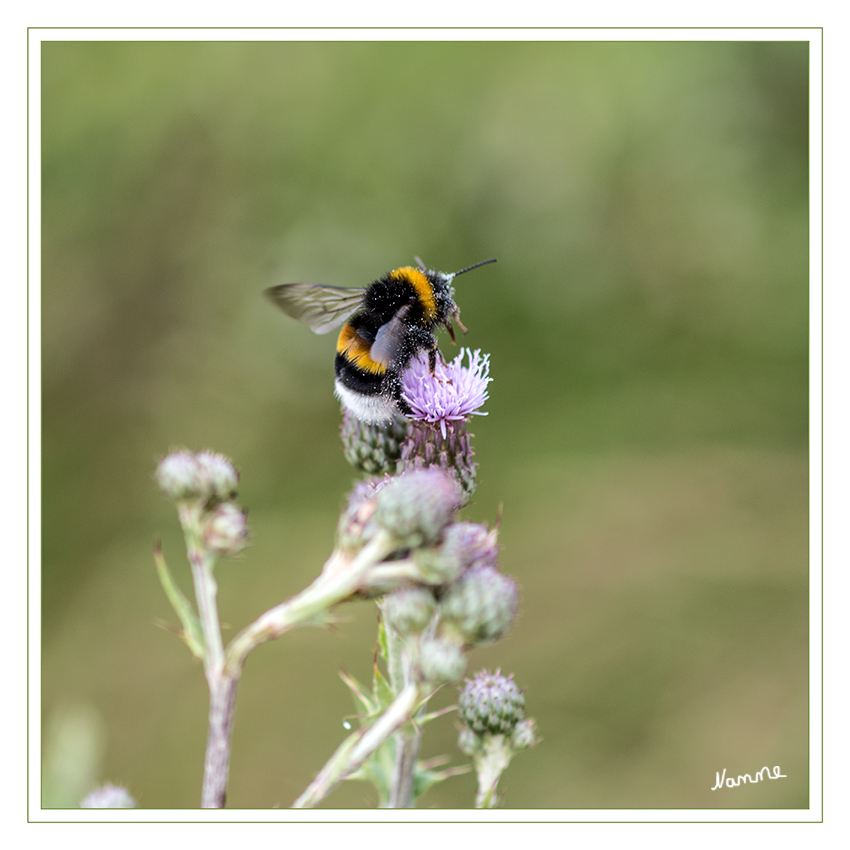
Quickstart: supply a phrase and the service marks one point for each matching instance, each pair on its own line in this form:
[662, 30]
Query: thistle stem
[407, 738]
[402, 795]
[489, 766]
[206, 591]
[358, 747]
[222, 687]
[341, 576]
[217, 758]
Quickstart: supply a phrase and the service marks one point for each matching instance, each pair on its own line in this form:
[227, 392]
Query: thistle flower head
[440, 404]
[453, 392]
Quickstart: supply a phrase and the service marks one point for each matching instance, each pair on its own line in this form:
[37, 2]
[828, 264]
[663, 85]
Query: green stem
[358, 747]
[217, 757]
[407, 738]
[222, 687]
[489, 765]
[395, 659]
[402, 794]
[206, 591]
[341, 576]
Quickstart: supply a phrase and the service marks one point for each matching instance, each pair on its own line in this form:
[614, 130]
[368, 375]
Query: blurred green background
[647, 429]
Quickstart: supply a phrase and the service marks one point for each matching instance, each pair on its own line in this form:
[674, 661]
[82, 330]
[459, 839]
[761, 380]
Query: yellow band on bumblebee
[424, 290]
[356, 350]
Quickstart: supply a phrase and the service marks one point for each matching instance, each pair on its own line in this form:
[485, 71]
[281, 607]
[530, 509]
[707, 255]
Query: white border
[813, 814]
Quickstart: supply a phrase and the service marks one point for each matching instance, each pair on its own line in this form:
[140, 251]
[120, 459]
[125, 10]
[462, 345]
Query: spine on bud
[373, 449]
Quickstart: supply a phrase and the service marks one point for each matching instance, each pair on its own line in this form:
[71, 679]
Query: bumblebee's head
[441, 283]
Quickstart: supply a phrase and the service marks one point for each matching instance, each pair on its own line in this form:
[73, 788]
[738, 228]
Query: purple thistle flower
[452, 393]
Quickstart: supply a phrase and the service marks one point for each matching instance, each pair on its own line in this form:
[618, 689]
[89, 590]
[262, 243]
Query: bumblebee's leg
[433, 353]
[392, 387]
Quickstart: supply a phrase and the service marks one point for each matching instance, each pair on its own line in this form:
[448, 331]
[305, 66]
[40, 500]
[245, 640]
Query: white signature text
[745, 778]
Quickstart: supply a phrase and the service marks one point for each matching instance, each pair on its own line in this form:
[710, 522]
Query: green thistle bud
[408, 610]
[468, 742]
[481, 604]
[441, 661]
[524, 734]
[225, 530]
[491, 704]
[373, 449]
[464, 545]
[108, 797]
[417, 506]
[357, 524]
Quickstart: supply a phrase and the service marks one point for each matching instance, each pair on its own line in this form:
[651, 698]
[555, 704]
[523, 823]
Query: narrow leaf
[427, 718]
[425, 779]
[364, 702]
[192, 633]
[384, 694]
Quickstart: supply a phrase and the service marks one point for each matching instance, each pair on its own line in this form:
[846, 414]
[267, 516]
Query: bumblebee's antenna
[475, 266]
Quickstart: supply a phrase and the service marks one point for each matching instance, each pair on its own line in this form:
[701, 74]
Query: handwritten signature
[734, 783]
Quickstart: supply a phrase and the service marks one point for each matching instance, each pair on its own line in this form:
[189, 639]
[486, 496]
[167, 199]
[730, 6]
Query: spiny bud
[468, 742]
[108, 797]
[464, 545]
[220, 475]
[409, 609]
[373, 448]
[417, 506]
[207, 475]
[179, 476]
[441, 661]
[524, 734]
[481, 604]
[357, 524]
[491, 703]
[225, 530]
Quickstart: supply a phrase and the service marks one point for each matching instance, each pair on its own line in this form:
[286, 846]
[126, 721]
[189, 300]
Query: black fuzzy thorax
[387, 295]
[381, 302]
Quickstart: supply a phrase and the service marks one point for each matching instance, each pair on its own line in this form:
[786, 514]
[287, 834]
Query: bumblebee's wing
[321, 308]
[389, 340]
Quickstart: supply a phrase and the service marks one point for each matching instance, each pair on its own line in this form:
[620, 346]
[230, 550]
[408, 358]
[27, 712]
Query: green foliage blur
[646, 441]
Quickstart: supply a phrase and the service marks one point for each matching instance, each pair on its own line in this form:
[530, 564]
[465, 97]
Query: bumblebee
[383, 327]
